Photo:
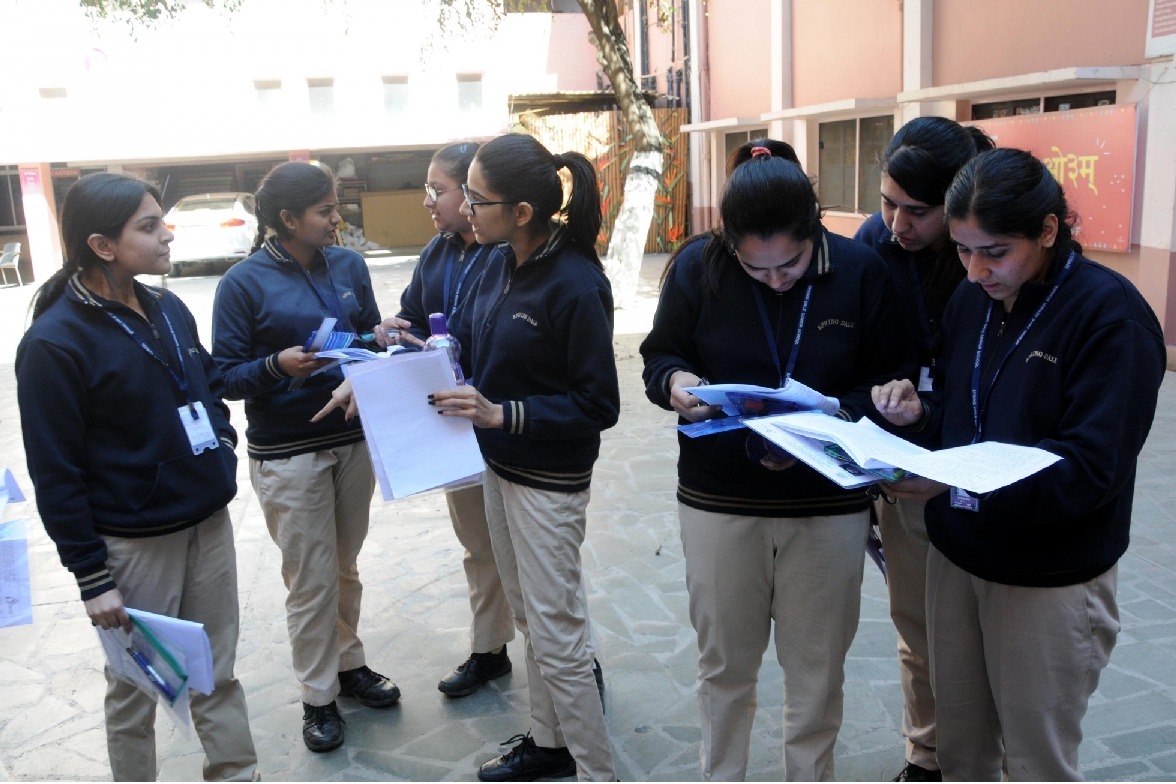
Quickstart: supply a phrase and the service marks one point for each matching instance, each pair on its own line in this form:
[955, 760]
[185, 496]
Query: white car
[211, 227]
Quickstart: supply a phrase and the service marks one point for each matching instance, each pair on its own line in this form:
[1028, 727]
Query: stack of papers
[412, 448]
[977, 468]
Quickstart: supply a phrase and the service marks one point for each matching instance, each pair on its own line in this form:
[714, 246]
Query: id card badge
[962, 499]
[924, 379]
[198, 427]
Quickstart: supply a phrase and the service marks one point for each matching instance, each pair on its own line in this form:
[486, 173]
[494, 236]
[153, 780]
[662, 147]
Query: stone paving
[415, 624]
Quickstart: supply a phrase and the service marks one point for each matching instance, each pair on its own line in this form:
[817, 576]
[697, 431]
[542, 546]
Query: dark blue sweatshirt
[1083, 384]
[106, 449]
[268, 303]
[854, 337]
[542, 346]
[443, 281]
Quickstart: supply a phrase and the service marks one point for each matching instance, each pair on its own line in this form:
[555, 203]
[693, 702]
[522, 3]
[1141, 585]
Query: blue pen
[152, 674]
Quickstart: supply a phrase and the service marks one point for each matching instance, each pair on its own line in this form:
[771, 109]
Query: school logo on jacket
[1050, 358]
[836, 323]
[526, 318]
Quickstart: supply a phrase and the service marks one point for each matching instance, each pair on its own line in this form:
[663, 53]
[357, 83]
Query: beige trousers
[1013, 669]
[745, 573]
[191, 574]
[492, 625]
[537, 536]
[904, 541]
[316, 507]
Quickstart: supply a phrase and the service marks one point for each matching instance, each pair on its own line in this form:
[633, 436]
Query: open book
[873, 452]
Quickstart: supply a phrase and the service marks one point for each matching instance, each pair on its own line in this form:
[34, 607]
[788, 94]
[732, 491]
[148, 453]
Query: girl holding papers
[546, 386]
[1045, 348]
[910, 235]
[314, 480]
[131, 453]
[771, 296]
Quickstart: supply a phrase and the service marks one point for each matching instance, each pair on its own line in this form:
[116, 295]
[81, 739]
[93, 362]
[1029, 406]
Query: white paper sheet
[16, 608]
[977, 468]
[412, 448]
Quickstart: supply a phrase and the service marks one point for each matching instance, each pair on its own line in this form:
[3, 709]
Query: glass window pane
[837, 164]
[469, 93]
[875, 133]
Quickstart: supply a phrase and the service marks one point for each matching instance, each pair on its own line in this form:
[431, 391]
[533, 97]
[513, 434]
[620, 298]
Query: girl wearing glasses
[444, 281]
[771, 296]
[544, 387]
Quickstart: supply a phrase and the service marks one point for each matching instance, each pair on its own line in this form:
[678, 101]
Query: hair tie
[757, 152]
[559, 161]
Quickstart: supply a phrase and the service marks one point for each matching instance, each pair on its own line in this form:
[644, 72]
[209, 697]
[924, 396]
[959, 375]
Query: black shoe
[913, 772]
[322, 727]
[598, 673]
[473, 673]
[369, 687]
[527, 762]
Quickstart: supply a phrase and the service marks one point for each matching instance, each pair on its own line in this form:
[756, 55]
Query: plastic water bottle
[439, 338]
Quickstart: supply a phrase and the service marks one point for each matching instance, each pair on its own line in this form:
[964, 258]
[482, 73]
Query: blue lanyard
[979, 403]
[333, 307]
[180, 380]
[451, 308]
[771, 335]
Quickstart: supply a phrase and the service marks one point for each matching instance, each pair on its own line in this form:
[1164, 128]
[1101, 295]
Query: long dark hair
[923, 158]
[518, 168]
[1009, 193]
[294, 186]
[766, 194]
[100, 203]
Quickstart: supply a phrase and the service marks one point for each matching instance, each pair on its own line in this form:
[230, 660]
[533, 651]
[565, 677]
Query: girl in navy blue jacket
[1044, 348]
[546, 386]
[910, 235]
[314, 480]
[131, 453]
[771, 296]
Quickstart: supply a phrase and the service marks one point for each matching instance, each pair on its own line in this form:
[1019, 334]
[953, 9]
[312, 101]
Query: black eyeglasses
[433, 192]
[465, 190]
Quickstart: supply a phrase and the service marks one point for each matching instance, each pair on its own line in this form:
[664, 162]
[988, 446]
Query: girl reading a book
[314, 480]
[769, 296]
[130, 451]
[1042, 347]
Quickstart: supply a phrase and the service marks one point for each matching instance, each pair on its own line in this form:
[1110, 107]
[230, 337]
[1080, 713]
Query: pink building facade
[1087, 85]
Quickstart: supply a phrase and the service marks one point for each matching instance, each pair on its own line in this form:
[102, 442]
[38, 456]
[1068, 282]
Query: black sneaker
[913, 772]
[527, 762]
[598, 673]
[474, 672]
[322, 727]
[369, 687]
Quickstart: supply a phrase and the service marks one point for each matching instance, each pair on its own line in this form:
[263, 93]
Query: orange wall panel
[846, 49]
[1048, 34]
[740, 57]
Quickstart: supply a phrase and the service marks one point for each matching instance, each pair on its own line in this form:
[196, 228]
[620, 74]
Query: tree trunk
[627, 245]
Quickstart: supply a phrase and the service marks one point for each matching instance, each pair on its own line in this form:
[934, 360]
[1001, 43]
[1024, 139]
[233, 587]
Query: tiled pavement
[415, 620]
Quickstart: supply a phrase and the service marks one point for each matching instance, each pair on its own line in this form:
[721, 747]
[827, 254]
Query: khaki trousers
[905, 543]
[537, 536]
[492, 625]
[316, 507]
[743, 574]
[191, 574]
[1013, 669]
